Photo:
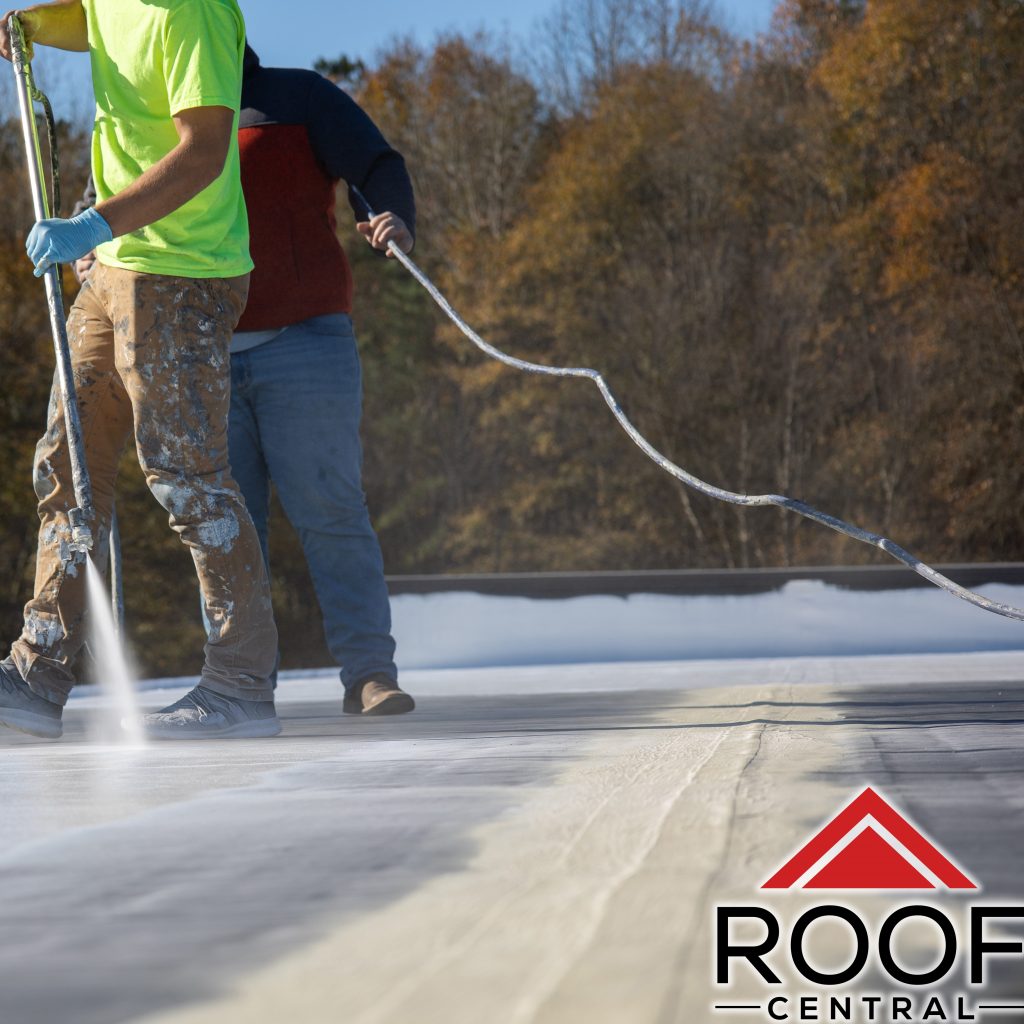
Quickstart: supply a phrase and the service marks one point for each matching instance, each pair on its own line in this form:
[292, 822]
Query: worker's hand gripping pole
[80, 516]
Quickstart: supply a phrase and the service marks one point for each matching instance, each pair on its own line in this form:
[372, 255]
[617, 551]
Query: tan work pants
[151, 352]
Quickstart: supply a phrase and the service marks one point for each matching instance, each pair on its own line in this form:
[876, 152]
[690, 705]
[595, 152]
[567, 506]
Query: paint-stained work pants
[152, 351]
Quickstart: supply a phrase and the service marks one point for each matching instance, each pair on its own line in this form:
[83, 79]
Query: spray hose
[51, 144]
[746, 500]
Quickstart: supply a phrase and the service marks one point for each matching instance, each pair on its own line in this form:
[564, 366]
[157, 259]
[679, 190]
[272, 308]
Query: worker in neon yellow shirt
[150, 333]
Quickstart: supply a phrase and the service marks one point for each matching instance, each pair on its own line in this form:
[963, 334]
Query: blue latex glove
[63, 241]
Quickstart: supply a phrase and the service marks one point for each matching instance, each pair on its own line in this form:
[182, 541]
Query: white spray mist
[115, 679]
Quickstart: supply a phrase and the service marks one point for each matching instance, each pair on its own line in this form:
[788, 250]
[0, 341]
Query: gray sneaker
[24, 710]
[202, 714]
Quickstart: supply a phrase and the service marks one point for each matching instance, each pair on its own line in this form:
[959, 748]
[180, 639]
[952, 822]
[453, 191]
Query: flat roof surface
[532, 845]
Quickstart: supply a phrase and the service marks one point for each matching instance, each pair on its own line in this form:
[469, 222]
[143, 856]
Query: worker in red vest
[295, 373]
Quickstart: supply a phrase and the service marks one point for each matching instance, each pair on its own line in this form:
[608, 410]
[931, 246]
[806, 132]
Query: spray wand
[748, 500]
[79, 517]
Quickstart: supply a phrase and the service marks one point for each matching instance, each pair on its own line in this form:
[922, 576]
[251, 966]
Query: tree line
[796, 260]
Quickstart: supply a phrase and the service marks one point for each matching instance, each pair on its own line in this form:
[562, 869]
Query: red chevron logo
[870, 845]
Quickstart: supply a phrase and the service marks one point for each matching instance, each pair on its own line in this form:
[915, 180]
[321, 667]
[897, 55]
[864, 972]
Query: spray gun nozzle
[81, 540]
[81, 535]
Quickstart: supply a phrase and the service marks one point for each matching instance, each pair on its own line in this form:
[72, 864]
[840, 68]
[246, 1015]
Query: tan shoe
[377, 695]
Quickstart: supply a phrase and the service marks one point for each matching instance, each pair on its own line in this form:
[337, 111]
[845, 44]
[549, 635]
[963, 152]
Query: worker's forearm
[61, 25]
[167, 185]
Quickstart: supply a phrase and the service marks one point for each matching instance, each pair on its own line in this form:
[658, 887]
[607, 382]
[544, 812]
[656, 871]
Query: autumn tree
[473, 130]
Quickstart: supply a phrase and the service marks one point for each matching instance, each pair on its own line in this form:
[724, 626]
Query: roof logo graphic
[869, 845]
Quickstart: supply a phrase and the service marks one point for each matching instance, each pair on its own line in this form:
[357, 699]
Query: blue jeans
[296, 403]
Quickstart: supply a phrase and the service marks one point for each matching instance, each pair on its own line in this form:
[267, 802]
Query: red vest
[301, 268]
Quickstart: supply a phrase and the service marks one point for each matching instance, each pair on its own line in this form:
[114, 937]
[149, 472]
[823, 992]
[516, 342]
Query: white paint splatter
[219, 534]
[44, 630]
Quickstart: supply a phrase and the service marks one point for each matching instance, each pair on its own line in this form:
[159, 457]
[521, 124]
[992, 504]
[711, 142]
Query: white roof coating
[534, 844]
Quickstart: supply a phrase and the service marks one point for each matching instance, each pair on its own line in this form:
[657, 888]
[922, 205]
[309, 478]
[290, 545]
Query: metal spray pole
[81, 535]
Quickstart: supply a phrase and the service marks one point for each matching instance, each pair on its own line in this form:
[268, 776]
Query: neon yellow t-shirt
[150, 60]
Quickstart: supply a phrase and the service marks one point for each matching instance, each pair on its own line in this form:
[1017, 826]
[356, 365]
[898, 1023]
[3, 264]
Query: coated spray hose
[746, 500]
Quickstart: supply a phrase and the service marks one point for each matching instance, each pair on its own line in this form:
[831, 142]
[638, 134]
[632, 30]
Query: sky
[328, 28]
[294, 33]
